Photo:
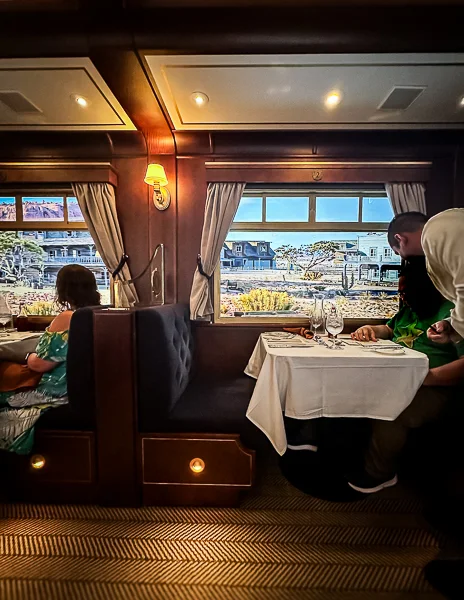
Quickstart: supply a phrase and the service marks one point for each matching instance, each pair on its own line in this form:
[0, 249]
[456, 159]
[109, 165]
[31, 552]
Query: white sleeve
[443, 243]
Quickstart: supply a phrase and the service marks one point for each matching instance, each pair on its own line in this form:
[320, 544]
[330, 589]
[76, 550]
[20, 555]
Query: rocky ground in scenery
[351, 308]
[24, 295]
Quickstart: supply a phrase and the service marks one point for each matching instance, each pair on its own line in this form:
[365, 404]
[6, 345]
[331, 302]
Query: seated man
[422, 306]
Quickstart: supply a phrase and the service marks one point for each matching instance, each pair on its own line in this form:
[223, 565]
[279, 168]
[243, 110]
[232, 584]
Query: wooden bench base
[194, 469]
[61, 469]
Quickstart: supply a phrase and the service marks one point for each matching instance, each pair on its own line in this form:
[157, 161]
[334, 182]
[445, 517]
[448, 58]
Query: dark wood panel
[36, 173]
[458, 201]
[191, 198]
[439, 189]
[166, 460]
[193, 143]
[163, 225]
[167, 479]
[133, 205]
[286, 175]
[116, 407]
[380, 145]
[236, 30]
[63, 146]
[289, 3]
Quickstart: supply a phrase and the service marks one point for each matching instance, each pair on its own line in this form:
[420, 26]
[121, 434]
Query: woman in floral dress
[19, 410]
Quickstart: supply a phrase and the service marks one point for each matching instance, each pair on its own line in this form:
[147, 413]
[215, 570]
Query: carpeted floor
[280, 545]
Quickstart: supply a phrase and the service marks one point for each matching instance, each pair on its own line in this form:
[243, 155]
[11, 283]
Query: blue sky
[329, 210]
[7, 200]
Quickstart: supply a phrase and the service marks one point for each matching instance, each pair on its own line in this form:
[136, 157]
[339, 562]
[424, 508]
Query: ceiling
[52, 86]
[288, 91]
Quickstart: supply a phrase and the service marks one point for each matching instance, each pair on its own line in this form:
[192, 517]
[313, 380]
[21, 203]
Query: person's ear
[400, 239]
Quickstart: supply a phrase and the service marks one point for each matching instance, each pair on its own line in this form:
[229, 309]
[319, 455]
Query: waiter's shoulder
[444, 221]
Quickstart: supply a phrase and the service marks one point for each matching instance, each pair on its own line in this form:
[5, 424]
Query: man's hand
[364, 334]
[440, 332]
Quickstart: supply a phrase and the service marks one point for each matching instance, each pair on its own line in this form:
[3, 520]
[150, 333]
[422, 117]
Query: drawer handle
[197, 465]
[37, 461]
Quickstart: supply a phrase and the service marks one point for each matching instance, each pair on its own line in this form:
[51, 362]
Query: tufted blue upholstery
[164, 351]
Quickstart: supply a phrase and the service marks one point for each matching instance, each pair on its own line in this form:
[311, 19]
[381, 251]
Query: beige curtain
[97, 202]
[222, 201]
[406, 197]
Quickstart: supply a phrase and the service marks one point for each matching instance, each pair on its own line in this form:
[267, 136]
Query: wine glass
[317, 320]
[334, 324]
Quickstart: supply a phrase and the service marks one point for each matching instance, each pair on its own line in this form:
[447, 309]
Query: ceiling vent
[18, 103]
[401, 98]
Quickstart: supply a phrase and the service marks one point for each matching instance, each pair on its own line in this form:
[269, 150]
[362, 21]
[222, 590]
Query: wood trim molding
[57, 172]
[312, 173]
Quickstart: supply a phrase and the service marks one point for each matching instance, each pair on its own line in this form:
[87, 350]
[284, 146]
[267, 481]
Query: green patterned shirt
[411, 331]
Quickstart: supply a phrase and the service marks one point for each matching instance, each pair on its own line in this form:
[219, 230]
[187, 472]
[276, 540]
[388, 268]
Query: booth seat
[186, 416]
[85, 451]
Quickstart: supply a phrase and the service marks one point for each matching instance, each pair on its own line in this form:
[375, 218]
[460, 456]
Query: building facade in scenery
[248, 255]
[67, 247]
[374, 259]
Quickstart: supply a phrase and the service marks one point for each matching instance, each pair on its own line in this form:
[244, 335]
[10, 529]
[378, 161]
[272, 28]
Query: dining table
[308, 379]
[14, 345]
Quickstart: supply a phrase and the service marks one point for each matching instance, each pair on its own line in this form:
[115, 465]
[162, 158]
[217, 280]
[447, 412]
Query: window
[284, 249]
[40, 232]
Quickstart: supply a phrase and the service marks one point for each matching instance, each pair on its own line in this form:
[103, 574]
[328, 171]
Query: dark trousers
[389, 437]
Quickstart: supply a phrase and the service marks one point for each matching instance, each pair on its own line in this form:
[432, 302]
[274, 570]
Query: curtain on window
[406, 197]
[222, 201]
[97, 202]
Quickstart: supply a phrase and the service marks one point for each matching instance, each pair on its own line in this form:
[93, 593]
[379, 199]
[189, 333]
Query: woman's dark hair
[76, 287]
[419, 292]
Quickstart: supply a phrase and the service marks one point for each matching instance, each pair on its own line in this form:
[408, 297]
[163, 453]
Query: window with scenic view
[39, 234]
[284, 250]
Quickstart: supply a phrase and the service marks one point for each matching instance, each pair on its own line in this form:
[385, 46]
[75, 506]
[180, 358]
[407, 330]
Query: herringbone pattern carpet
[280, 545]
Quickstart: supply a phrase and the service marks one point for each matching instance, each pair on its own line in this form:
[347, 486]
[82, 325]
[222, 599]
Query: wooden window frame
[311, 226]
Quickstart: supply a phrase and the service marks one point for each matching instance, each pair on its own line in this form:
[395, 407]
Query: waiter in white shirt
[441, 239]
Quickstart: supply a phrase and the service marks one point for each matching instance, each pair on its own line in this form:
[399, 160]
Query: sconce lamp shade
[155, 174]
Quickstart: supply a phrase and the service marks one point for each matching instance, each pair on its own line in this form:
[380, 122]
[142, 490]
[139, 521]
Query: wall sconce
[156, 177]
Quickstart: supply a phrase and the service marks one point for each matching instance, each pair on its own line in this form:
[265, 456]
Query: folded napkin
[306, 333]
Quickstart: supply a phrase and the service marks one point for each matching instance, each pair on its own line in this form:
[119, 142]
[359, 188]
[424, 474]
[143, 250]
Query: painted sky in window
[328, 209]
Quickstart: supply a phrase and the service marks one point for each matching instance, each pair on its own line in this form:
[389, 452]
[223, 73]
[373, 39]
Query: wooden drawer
[60, 457]
[194, 469]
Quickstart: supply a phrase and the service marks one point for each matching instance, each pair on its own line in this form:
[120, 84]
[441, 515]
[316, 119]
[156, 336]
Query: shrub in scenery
[40, 309]
[264, 300]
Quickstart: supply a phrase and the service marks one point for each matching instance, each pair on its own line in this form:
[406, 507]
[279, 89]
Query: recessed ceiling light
[80, 100]
[333, 99]
[461, 102]
[199, 99]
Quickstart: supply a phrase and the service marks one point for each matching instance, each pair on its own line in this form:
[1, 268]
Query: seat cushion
[216, 406]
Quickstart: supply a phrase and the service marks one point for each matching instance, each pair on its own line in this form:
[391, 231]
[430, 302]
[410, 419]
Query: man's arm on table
[372, 333]
[446, 375]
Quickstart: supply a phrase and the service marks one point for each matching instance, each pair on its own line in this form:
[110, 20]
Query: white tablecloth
[314, 381]
[14, 346]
